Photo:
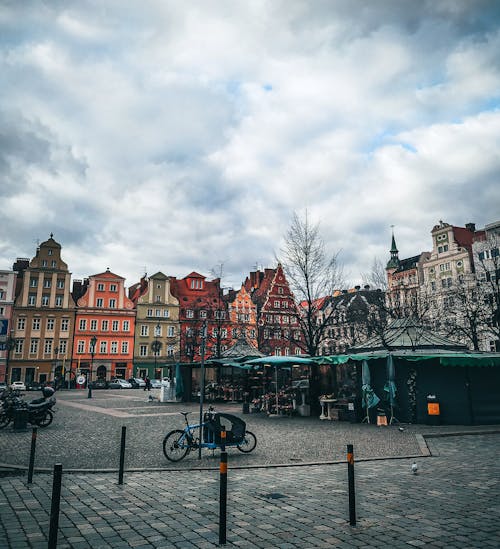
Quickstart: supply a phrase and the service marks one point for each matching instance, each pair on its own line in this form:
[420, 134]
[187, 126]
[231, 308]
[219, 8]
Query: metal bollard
[54, 509]
[32, 455]
[223, 490]
[122, 455]
[350, 475]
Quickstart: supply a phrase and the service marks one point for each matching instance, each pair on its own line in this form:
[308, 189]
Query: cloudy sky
[177, 136]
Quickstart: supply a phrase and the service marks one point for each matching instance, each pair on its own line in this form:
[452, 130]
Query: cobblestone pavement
[86, 434]
[452, 502]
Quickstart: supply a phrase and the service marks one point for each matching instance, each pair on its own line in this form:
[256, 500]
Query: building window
[47, 348]
[266, 334]
[34, 346]
[277, 304]
[166, 313]
[103, 347]
[100, 287]
[220, 315]
[297, 351]
[53, 263]
[115, 326]
[80, 348]
[144, 330]
[170, 350]
[47, 283]
[45, 300]
[33, 282]
[104, 325]
[189, 313]
[285, 319]
[171, 331]
[44, 262]
[158, 331]
[64, 324]
[36, 325]
[31, 299]
[280, 290]
[59, 300]
[143, 350]
[223, 333]
[63, 346]
[99, 302]
[60, 283]
[277, 351]
[83, 324]
[433, 286]
[126, 325]
[19, 345]
[124, 347]
[21, 323]
[49, 251]
[158, 312]
[150, 312]
[287, 351]
[93, 325]
[158, 299]
[203, 314]
[112, 288]
[252, 334]
[50, 324]
[114, 347]
[112, 303]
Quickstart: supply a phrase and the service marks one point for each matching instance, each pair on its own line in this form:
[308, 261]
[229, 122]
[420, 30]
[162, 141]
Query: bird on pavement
[414, 468]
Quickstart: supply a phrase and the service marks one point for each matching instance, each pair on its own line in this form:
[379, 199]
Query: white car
[119, 383]
[19, 385]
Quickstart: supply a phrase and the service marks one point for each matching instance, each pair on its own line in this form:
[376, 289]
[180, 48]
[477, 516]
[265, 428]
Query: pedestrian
[148, 384]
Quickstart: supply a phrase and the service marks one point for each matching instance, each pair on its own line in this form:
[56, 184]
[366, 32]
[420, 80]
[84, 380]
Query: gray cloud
[175, 136]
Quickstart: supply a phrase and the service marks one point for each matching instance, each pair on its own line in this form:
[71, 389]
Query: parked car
[155, 384]
[3, 386]
[33, 386]
[119, 383]
[19, 385]
[137, 382]
[99, 384]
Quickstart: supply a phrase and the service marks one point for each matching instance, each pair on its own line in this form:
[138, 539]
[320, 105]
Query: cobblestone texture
[453, 501]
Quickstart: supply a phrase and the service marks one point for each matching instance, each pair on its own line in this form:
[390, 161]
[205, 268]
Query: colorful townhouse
[157, 329]
[201, 307]
[43, 318]
[104, 328]
[7, 296]
[242, 313]
[277, 314]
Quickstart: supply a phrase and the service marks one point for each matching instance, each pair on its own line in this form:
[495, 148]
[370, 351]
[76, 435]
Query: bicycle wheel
[248, 443]
[175, 446]
[46, 420]
[4, 420]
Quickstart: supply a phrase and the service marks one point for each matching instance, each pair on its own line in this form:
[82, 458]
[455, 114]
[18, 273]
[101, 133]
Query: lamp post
[56, 352]
[10, 344]
[93, 342]
[156, 345]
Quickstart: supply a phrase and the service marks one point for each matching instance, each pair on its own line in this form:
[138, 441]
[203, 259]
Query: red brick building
[278, 331]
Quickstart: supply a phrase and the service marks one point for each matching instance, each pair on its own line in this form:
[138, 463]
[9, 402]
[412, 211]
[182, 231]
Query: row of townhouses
[56, 329]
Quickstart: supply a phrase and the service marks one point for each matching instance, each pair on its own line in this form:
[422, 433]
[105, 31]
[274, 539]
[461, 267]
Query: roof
[408, 334]
[242, 348]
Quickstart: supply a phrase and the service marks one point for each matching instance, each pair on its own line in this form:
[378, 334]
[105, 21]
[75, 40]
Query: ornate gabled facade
[7, 296]
[242, 313]
[157, 330]
[104, 312]
[43, 318]
[277, 314]
[201, 306]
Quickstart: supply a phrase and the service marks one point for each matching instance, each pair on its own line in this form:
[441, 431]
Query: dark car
[34, 386]
[99, 384]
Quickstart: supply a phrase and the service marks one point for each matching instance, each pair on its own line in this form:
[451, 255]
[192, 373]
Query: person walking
[148, 384]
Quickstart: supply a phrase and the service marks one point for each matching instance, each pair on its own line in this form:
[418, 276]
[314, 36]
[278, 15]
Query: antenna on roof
[145, 269]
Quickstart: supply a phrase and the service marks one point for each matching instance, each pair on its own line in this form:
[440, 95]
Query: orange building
[105, 313]
[242, 316]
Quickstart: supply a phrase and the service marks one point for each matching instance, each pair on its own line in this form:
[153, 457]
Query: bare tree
[377, 277]
[313, 274]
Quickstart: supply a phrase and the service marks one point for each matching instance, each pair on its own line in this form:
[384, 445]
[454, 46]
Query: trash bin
[350, 413]
[433, 410]
[21, 417]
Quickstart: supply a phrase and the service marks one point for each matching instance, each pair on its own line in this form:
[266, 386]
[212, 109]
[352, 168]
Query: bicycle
[178, 443]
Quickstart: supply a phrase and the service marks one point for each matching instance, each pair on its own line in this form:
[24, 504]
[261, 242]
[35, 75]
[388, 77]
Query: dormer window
[196, 284]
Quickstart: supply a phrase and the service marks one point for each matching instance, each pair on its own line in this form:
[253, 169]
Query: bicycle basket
[234, 426]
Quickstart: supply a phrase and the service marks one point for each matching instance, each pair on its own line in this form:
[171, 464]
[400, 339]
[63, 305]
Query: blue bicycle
[178, 443]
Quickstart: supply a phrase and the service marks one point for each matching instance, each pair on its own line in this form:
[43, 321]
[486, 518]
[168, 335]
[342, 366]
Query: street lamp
[56, 352]
[93, 341]
[156, 345]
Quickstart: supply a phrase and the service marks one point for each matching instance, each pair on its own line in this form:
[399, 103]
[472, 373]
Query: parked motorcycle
[40, 410]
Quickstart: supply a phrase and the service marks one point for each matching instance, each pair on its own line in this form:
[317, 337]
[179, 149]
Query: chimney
[471, 227]
[357, 288]
[366, 287]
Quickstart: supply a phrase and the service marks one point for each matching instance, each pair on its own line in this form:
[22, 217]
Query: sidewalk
[453, 502]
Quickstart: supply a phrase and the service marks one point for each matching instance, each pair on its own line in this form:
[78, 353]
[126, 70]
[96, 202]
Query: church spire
[393, 263]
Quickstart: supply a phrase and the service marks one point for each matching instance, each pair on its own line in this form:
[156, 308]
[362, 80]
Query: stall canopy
[237, 355]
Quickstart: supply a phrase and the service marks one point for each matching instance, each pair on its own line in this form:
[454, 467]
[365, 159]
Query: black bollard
[32, 455]
[122, 455]
[223, 490]
[350, 475]
[54, 509]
